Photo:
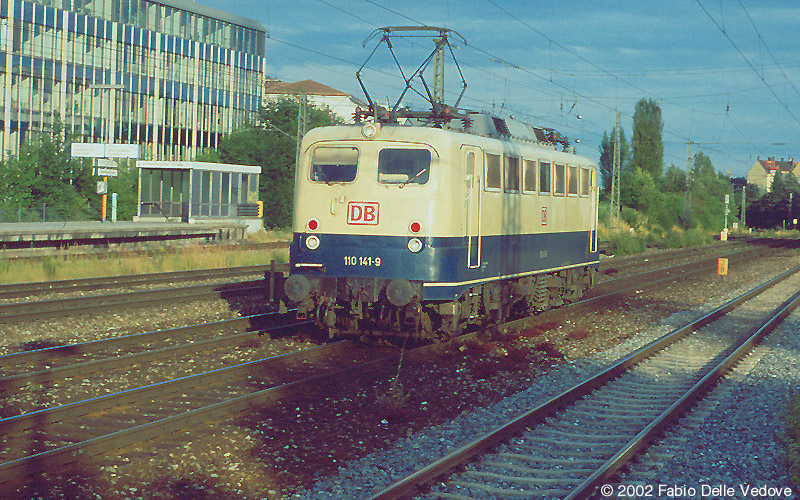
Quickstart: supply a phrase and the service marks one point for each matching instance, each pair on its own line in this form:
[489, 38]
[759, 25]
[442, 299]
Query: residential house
[762, 173]
[342, 104]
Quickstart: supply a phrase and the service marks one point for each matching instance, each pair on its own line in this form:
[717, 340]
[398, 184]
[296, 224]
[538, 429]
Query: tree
[638, 190]
[607, 156]
[647, 145]
[273, 146]
[673, 180]
[126, 185]
[15, 183]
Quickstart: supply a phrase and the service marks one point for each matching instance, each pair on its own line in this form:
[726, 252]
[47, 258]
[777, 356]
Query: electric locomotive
[423, 224]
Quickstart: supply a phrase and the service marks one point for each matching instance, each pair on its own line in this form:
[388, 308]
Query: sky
[725, 73]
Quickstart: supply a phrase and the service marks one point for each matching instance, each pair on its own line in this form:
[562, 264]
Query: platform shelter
[190, 191]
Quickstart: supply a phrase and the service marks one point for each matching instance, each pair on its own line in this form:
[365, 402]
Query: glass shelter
[197, 191]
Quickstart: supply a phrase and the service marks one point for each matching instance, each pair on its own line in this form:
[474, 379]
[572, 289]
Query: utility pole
[687, 197]
[613, 216]
[744, 224]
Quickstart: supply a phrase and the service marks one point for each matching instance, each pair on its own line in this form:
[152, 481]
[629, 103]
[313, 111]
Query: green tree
[273, 146]
[15, 184]
[62, 183]
[673, 180]
[638, 190]
[607, 156]
[126, 185]
[647, 145]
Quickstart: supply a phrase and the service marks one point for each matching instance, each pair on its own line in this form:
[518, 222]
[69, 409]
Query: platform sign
[93, 150]
[88, 150]
[106, 172]
[122, 151]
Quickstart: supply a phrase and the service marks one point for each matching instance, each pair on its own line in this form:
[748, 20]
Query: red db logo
[363, 213]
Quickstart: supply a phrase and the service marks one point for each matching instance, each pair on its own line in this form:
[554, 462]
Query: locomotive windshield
[404, 166]
[331, 165]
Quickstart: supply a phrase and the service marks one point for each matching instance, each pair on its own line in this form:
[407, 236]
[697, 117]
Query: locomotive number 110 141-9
[352, 260]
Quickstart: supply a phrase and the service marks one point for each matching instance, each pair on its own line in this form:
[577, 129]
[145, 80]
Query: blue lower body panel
[442, 265]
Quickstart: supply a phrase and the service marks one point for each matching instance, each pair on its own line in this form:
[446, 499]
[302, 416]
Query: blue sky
[725, 72]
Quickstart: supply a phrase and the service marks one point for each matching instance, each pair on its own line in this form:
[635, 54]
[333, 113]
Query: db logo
[544, 216]
[363, 213]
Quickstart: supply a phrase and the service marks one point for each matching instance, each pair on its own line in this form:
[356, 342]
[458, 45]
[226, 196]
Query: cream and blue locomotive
[423, 224]
[423, 231]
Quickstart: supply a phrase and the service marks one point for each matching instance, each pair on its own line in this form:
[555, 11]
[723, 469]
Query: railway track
[105, 443]
[572, 444]
[12, 312]
[48, 364]
[18, 290]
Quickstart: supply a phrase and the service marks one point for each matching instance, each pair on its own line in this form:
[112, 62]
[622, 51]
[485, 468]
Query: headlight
[312, 242]
[370, 130]
[415, 245]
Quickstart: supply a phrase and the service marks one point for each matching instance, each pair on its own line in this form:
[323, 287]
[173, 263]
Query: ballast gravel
[739, 448]
[340, 447]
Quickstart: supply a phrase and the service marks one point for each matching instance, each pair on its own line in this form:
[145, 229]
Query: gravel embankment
[739, 445]
[345, 441]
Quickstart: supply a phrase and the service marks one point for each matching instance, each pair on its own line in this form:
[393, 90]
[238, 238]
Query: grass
[191, 257]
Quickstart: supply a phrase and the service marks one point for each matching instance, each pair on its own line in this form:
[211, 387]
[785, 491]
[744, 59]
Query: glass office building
[169, 75]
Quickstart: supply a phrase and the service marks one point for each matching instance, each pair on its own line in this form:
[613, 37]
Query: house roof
[309, 87]
[771, 164]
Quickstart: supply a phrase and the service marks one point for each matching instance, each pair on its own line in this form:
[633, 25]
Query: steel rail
[130, 396]
[52, 459]
[485, 443]
[253, 323]
[43, 309]
[679, 407]
[11, 382]
[85, 284]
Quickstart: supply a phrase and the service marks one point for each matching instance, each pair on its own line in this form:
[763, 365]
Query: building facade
[763, 172]
[170, 75]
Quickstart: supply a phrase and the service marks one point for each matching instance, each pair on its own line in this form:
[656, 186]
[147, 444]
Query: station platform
[23, 239]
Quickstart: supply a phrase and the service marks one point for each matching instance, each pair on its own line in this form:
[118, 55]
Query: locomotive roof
[488, 125]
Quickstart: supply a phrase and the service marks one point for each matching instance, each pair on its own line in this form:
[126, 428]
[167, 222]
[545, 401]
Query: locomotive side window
[331, 165]
[560, 180]
[492, 172]
[404, 166]
[585, 181]
[544, 176]
[529, 178]
[572, 180]
[512, 174]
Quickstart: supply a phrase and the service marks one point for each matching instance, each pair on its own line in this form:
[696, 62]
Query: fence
[44, 213]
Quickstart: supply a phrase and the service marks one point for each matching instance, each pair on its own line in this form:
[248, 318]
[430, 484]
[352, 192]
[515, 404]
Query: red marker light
[313, 224]
[415, 227]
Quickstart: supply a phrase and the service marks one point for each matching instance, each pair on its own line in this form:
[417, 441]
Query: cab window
[331, 165]
[404, 166]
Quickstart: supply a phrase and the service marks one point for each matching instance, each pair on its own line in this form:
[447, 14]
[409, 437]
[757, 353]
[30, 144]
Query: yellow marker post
[722, 266]
[105, 179]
